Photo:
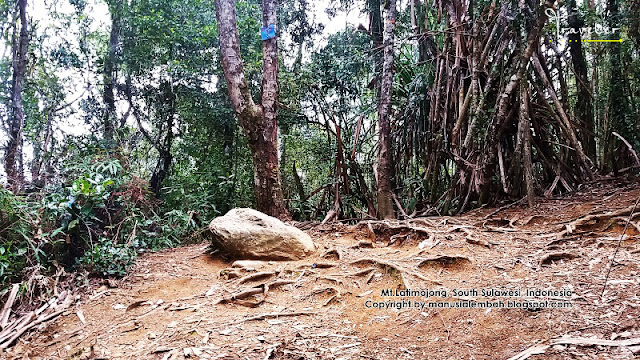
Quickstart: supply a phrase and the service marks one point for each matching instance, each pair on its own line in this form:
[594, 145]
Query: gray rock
[249, 234]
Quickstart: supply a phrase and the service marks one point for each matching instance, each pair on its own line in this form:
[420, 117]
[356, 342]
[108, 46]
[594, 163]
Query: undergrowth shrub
[98, 219]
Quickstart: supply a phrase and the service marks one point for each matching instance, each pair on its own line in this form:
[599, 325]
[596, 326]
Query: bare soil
[169, 307]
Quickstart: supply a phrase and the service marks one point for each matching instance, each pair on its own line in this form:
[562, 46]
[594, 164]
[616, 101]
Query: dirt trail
[168, 307]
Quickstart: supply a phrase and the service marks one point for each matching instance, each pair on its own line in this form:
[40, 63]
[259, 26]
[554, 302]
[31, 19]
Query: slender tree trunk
[13, 154]
[165, 157]
[584, 109]
[570, 132]
[385, 192]
[109, 76]
[41, 152]
[524, 132]
[494, 132]
[618, 107]
[376, 28]
[259, 122]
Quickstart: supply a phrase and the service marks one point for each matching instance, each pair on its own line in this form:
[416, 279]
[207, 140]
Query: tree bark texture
[258, 121]
[584, 108]
[385, 192]
[494, 132]
[109, 76]
[13, 153]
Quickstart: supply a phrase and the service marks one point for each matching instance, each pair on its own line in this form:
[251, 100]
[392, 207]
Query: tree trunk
[570, 132]
[524, 132]
[385, 198]
[618, 108]
[375, 27]
[584, 109]
[259, 122]
[494, 132]
[13, 154]
[109, 76]
[41, 153]
[165, 158]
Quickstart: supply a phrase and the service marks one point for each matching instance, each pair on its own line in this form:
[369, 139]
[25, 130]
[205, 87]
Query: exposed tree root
[548, 259]
[588, 222]
[332, 279]
[240, 295]
[398, 238]
[256, 276]
[503, 208]
[362, 244]
[471, 239]
[393, 231]
[395, 267]
[474, 241]
[445, 260]
[357, 273]
[258, 289]
[333, 252]
[229, 273]
[274, 315]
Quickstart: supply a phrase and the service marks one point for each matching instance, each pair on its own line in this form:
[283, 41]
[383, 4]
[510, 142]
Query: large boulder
[250, 234]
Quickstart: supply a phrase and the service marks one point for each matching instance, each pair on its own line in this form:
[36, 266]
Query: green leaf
[73, 224]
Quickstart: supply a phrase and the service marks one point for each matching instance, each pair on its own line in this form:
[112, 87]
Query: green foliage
[98, 220]
[13, 237]
[108, 259]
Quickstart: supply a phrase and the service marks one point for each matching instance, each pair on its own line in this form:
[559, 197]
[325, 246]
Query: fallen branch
[48, 311]
[6, 310]
[20, 331]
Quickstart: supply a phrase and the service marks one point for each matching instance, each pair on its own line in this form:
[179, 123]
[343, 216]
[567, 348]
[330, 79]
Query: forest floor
[177, 303]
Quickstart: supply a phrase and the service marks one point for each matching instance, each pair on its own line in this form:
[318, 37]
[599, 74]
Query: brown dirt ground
[179, 321]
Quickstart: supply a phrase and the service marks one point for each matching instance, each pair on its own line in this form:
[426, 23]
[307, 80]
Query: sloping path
[170, 306]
